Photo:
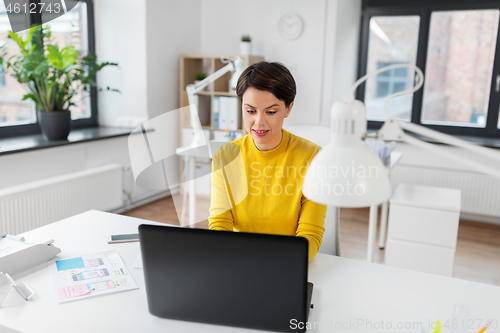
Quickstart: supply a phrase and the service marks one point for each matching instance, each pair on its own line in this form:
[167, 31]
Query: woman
[257, 180]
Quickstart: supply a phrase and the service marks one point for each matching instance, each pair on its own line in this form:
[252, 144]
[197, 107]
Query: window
[460, 55]
[13, 110]
[2, 78]
[18, 117]
[392, 81]
[71, 29]
[456, 46]
[392, 40]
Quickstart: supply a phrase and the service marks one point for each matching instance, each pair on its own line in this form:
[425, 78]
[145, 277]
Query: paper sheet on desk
[90, 275]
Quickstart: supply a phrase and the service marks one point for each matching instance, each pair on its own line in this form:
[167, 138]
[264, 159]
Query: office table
[349, 295]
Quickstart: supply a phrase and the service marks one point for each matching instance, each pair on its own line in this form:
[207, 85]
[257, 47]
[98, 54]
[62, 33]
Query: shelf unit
[208, 63]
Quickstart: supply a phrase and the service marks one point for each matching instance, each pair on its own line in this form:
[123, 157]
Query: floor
[477, 256]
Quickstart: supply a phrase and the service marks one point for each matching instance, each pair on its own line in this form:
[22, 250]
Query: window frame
[34, 128]
[424, 9]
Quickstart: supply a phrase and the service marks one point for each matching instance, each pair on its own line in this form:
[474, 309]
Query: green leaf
[37, 37]
[32, 61]
[69, 54]
[30, 34]
[19, 41]
[90, 59]
[54, 57]
[30, 96]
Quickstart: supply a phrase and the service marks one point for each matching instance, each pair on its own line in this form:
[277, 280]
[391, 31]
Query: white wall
[120, 35]
[341, 52]
[172, 28]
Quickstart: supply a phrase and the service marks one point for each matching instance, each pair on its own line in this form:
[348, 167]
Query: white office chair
[321, 136]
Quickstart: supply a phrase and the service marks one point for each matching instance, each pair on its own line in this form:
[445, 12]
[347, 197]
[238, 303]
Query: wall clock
[290, 26]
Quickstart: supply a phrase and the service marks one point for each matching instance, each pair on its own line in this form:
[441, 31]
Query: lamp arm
[192, 89]
[451, 140]
[393, 130]
[419, 84]
[211, 78]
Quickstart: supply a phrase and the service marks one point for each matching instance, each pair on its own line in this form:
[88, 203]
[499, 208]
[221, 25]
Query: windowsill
[37, 141]
[485, 142]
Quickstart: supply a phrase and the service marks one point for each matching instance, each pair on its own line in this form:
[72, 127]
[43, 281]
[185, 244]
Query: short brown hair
[268, 76]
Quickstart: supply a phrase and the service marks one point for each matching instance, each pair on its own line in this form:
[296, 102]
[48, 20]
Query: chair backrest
[321, 136]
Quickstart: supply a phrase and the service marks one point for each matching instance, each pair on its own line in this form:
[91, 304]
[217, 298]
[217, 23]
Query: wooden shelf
[204, 93]
[221, 93]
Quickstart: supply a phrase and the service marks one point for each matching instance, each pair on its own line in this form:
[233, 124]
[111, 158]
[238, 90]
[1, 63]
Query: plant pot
[55, 125]
[246, 48]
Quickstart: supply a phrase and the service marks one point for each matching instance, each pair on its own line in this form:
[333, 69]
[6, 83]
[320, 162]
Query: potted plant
[246, 45]
[52, 77]
[199, 76]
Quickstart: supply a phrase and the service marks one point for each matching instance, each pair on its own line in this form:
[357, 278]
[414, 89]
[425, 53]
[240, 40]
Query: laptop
[248, 280]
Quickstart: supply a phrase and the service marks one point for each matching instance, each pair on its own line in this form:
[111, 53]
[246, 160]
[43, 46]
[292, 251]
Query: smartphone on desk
[123, 238]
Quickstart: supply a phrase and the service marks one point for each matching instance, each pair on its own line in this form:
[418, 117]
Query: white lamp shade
[347, 177]
[346, 173]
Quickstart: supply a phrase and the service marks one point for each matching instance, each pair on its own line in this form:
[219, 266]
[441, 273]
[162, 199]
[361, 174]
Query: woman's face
[263, 116]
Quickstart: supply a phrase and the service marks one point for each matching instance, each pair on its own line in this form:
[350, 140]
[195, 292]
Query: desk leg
[372, 231]
[192, 191]
[383, 226]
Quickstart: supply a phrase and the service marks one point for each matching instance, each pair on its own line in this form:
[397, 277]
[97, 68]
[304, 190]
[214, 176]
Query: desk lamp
[346, 173]
[235, 65]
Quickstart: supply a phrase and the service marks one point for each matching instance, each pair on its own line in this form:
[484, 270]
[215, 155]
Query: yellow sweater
[261, 191]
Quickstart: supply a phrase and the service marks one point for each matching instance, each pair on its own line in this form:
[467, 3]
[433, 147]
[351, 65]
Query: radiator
[480, 193]
[32, 205]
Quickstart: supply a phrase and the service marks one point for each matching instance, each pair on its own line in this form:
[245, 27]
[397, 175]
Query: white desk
[345, 291]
